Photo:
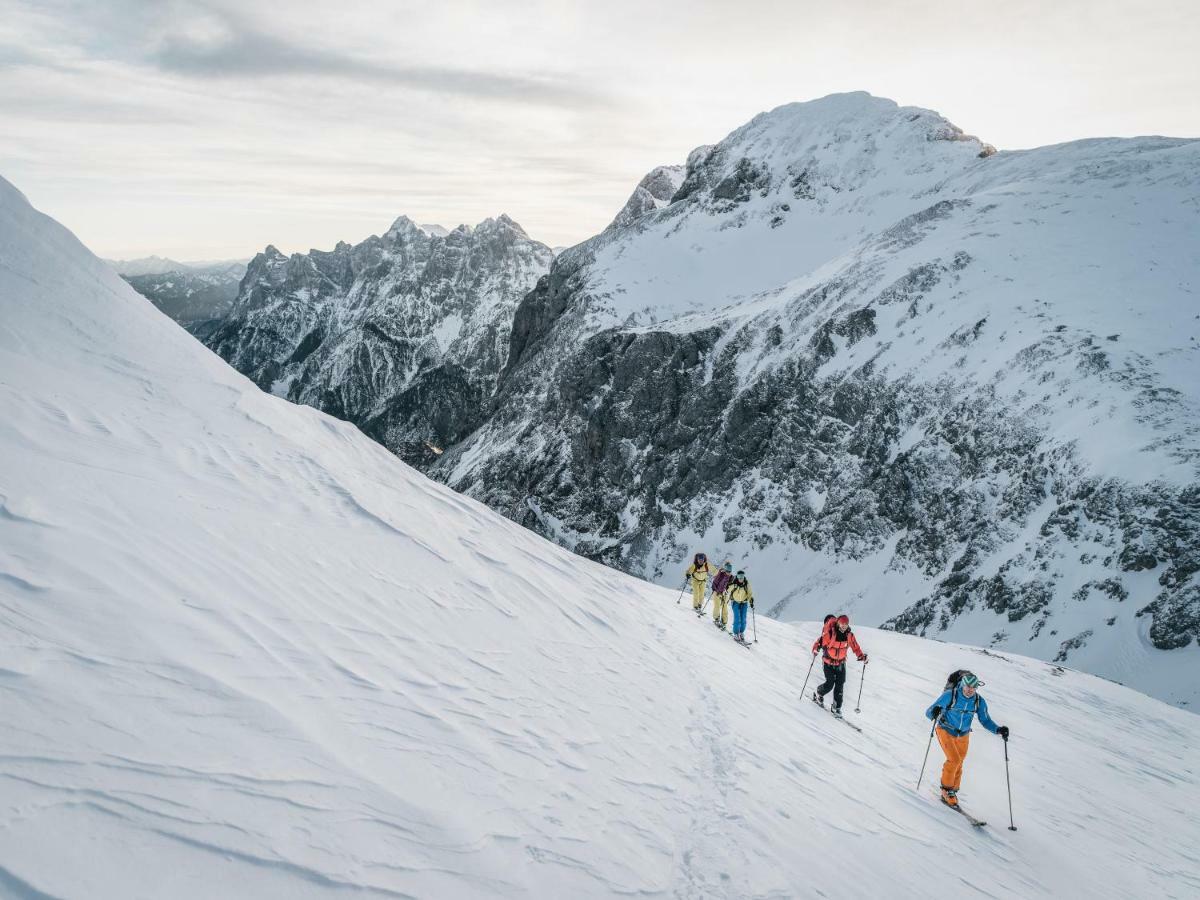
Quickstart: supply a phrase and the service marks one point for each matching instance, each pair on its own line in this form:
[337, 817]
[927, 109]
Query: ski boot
[836, 710]
[818, 699]
[949, 796]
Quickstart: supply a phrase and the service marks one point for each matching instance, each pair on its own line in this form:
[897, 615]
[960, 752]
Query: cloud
[234, 49]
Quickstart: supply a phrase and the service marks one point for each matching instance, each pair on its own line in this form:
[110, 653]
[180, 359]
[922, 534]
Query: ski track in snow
[246, 652]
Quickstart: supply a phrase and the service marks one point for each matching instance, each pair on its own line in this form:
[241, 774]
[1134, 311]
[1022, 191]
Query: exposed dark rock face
[653, 192]
[403, 334]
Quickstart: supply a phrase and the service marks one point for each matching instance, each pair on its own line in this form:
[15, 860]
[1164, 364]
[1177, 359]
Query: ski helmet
[741, 576]
[728, 567]
[843, 622]
[700, 558]
[971, 680]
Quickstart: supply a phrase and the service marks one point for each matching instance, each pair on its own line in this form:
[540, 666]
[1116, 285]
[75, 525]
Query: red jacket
[836, 644]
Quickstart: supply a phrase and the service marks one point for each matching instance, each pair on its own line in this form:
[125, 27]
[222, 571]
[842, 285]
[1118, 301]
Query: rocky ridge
[403, 334]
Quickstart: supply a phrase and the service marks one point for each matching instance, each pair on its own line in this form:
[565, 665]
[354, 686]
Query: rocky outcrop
[404, 334]
[653, 192]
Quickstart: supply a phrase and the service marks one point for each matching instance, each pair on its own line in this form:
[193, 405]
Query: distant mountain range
[191, 293]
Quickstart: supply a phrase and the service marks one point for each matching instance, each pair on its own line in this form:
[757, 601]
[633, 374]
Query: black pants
[835, 680]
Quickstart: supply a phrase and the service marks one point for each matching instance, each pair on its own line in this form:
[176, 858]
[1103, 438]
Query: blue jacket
[957, 716]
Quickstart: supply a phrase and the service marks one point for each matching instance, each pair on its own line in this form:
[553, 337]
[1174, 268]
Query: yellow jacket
[740, 593]
[699, 574]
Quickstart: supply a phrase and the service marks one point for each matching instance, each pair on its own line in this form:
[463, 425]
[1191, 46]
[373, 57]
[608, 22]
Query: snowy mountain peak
[403, 226]
[501, 224]
[845, 118]
[841, 143]
[654, 191]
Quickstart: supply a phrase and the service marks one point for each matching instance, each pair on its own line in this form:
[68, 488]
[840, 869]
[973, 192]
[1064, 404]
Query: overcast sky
[209, 129]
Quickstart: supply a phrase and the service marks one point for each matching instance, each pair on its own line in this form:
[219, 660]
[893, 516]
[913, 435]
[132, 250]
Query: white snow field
[245, 652]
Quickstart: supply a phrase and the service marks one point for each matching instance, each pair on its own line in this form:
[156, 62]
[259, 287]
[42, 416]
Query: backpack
[952, 681]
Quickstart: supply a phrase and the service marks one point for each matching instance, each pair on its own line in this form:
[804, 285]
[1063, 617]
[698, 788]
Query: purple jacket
[721, 582]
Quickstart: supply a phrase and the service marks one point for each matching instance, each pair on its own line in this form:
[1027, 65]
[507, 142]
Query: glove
[863, 659]
[815, 652]
[937, 711]
[1003, 731]
[752, 603]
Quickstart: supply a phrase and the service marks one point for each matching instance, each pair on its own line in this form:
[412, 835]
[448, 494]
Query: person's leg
[697, 593]
[830, 680]
[718, 602]
[960, 756]
[955, 749]
[839, 686]
[739, 618]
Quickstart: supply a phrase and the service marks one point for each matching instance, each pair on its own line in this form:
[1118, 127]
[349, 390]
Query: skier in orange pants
[954, 711]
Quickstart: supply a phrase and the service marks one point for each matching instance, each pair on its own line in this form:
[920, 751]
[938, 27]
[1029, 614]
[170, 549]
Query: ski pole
[1011, 825]
[681, 590]
[705, 606]
[927, 746]
[753, 623]
[858, 702]
[809, 675]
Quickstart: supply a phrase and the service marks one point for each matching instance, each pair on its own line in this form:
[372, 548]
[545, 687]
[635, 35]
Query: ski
[837, 716]
[842, 718]
[977, 823]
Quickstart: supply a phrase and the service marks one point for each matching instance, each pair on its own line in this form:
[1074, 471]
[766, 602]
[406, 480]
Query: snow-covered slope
[886, 368]
[244, 651]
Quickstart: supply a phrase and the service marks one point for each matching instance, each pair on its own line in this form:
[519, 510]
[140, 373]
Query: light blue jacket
[957, 715]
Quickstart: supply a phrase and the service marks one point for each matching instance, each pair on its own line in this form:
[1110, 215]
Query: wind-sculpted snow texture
[246, 652]
[402, 334]
[891, 371]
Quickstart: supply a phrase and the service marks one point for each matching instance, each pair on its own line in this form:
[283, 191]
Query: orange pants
[955, 749]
